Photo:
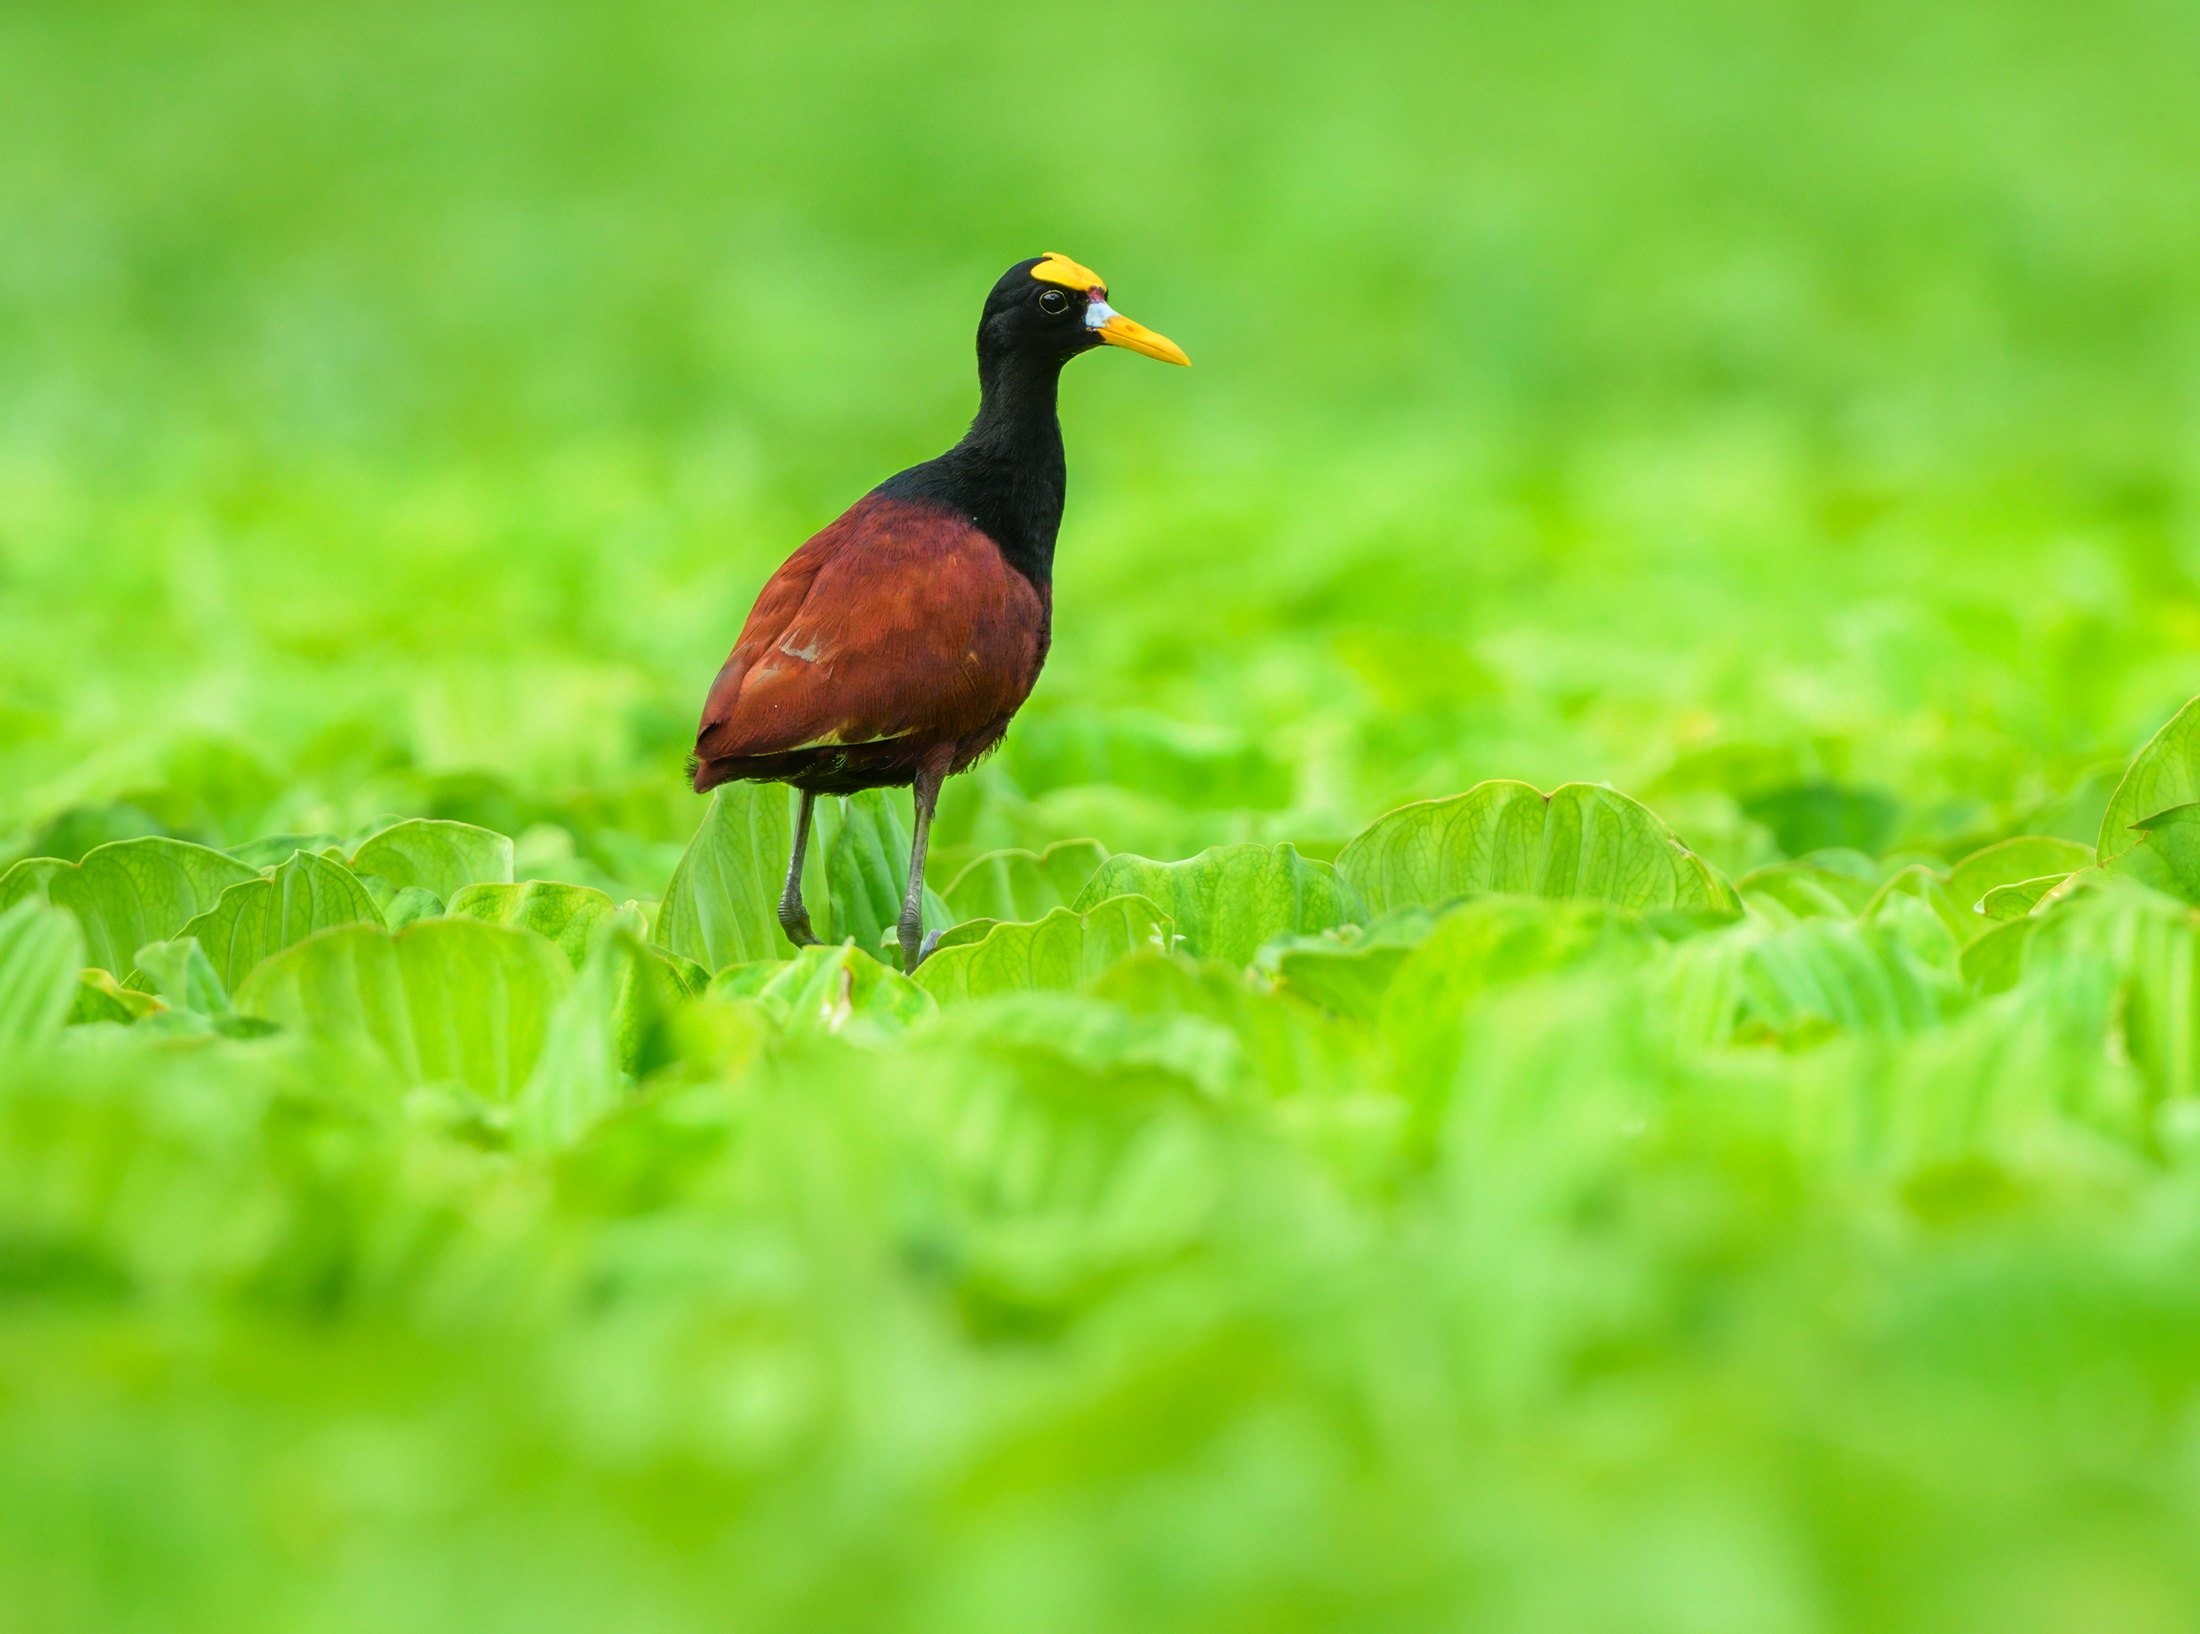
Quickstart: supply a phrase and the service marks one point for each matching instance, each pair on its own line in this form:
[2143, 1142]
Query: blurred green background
[1787, 413]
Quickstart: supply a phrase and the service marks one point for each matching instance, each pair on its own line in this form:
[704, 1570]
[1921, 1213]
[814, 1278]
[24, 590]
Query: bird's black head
[1048, 309]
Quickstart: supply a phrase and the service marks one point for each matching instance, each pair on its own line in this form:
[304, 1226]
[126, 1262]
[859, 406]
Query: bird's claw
[911, 957]
[797, 927]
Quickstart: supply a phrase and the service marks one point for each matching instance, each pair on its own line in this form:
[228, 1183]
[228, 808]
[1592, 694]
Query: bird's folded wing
[894, 621]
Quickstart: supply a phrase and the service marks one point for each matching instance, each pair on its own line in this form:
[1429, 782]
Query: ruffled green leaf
[2167, 857]
[2015, 901]
[41, 953]
[1485, 943]
[567, 914]
[1927, 888]
[2007, 862]
[722, 905]
[438, 856]
[99, 997]
[407, 907]
[273, 849]
[446, 1000]
[2151, 946]
[1805, 890]
[652, 994]
[1823, 977]
[1995, 962]
[180, 972]
[1066, 949]
[1022, 886]
[822, 989]
[1228, 900]
[129, 893]
[604, 1032]
[867, 872]
[1578, 841]
[1348, 970]
[2162, 776]
[258, 918]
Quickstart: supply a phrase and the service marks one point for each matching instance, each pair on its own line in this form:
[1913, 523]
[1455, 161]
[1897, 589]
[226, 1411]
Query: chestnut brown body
[898, 633]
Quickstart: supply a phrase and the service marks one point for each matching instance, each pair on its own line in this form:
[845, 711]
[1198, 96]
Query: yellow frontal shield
[1111, 325]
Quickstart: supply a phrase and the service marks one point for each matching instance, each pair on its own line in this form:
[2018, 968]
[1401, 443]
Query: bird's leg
[916, 947]
[794, 918]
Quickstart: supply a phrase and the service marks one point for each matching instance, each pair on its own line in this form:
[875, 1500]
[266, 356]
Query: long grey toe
[915, 946]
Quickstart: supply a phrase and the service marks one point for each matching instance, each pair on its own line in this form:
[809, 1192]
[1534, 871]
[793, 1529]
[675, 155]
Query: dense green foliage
[1320, 1182]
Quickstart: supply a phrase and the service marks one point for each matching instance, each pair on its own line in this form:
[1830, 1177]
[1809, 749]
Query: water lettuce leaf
[722, 905]
[1995, 962]
[1066, 949]
[2146, 948]
[2016, 900]
[2167, 855]
[1487, 942]
[866, 873]
[435, 855]
[1581, 840]
[1823, 976]
[1927, 888]
[41, 953]
[99, 997]
[444, 1000]
[576, 1078]
[1348, 970]
[606, 1031]
[407, 907]
[1024, 885]
[258, 918]
[567, 914]
[271, 849]
[2163, 775]
[128, 893]
[1806, 890]
[823, 988]
[2028, 856]
[1229, 899]
[180, 972]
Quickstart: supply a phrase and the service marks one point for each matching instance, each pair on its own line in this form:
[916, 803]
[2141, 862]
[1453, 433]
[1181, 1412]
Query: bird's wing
[896, 620]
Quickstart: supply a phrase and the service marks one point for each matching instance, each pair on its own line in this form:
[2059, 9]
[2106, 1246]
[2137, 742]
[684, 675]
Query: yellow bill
[1118, 330]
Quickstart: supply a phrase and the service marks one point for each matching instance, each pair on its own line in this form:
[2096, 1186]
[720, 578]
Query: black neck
[1007, 474]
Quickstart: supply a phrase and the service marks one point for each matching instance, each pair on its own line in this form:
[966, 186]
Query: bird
[894, 647]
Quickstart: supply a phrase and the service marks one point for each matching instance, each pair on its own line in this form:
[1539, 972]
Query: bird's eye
[1053, 302]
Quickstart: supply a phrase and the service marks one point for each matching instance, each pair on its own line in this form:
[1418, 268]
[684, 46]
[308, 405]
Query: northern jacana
[893, 648]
